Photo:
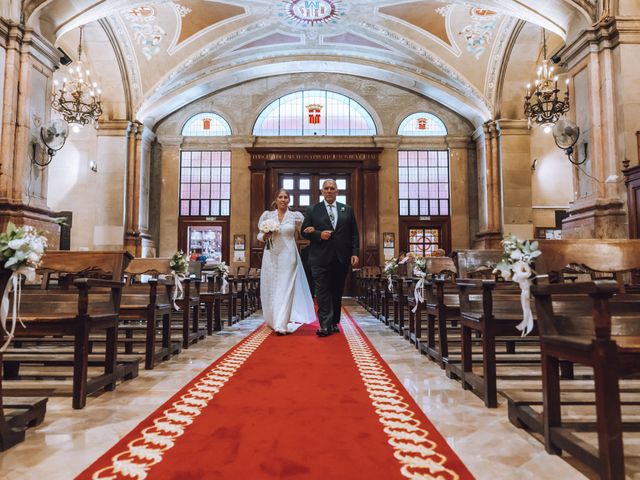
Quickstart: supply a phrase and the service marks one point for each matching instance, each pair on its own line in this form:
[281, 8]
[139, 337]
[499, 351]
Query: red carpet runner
[294, 407]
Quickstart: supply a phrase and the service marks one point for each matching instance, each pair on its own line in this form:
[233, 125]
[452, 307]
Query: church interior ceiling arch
[173, 52]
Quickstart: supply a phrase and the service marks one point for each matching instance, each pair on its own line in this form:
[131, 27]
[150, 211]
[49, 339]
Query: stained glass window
[422, 124]
[314, 112]
[205, 183]
[424, 241]
[206, 125]
[423, 182]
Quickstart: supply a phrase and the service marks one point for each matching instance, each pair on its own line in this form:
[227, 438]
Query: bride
[284, 291]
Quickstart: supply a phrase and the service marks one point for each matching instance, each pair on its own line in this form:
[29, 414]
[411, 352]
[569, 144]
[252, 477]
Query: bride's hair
[274, 204]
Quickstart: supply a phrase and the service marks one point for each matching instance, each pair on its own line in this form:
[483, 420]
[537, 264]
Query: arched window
[206, 125]
[422, 124]
[314, 112]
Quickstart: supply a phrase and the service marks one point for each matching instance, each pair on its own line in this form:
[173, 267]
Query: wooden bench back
[85, 263]
[611, 255]
[597, 257]
[476, 263]
[587, 309]
[149, 266]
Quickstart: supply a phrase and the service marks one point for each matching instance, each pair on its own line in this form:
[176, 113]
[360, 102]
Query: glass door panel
[205, 241]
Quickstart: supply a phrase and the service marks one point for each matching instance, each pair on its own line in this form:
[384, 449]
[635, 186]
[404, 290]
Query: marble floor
[69, 440]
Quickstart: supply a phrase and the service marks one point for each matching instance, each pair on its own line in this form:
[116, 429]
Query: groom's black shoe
[321, 332]
[335, 329]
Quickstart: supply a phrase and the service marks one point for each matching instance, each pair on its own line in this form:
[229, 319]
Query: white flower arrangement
[21, 252]
[221, 270]
[269, 226]
[179, 263]
[517, 265]
[390, 267]
[21, 249]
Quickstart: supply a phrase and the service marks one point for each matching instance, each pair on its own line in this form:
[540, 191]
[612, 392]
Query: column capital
[112, 128]
[513, 127]
[606, 34]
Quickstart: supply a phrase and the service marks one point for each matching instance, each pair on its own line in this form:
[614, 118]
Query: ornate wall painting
[146, 31]
[479, 32]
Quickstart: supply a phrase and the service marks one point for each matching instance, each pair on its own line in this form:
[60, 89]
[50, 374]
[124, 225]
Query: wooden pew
[78, 309]
[491, 310]
[441, 306]
[188, 315]
[212, 300]
[150, 303]
[17, 414]
[595, 324]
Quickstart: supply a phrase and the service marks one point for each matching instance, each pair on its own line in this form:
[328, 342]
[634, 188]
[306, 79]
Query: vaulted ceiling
[173, 52]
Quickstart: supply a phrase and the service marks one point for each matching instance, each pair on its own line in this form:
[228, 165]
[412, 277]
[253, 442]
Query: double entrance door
[305, 187]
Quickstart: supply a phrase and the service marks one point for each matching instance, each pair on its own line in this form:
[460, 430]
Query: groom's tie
[332, 216]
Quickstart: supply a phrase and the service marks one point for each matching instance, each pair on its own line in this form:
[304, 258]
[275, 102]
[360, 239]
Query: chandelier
[78, 99]
[542, 105]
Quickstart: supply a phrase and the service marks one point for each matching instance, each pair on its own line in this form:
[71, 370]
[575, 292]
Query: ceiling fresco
[184, 48]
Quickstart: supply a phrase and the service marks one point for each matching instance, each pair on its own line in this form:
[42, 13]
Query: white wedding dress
[284, 291]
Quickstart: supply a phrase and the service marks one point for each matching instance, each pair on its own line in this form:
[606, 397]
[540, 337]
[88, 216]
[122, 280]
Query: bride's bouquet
[269, 226]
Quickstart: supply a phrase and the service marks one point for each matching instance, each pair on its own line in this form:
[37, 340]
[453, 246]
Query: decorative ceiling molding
[499, 57]
[130, 58]
[271, 39]
[122, 66]
[352, 39]
[460, 83]
[160, 106]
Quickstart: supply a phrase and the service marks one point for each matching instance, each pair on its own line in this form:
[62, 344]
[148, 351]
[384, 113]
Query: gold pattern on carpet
[147, 450]
[416, 453]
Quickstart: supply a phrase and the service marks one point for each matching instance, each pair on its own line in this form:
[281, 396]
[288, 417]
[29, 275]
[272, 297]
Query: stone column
[111, 156]
[169, 195]
[459, 194]
[515, 155]
[27, 62]
[388, 192]
[489, 197]
[604, 71]
[138, 240]
[240, 218]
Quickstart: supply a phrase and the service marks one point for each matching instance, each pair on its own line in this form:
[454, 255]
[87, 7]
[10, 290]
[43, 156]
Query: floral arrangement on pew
[390, 268]
[179, 267]
[419, 270]
[269, 226]
[21, 251]
[516, 265]
[222, 270]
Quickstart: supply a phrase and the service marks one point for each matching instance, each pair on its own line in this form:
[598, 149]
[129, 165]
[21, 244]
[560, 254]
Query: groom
[334, 249]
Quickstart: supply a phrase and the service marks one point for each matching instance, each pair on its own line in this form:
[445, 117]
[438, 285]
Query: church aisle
[69, 441]
[287, 407]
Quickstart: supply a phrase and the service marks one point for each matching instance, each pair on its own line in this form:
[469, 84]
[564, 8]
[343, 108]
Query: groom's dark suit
[330, 260]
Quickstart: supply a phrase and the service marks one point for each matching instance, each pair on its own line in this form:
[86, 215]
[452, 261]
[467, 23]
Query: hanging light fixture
[542, 105]
[78, 99]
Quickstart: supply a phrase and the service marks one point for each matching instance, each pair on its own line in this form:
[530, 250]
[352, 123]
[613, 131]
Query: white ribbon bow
[224, 288]
[13, 285]
[526, 326]
[178, 291]
[390, 281]
[418, 292]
